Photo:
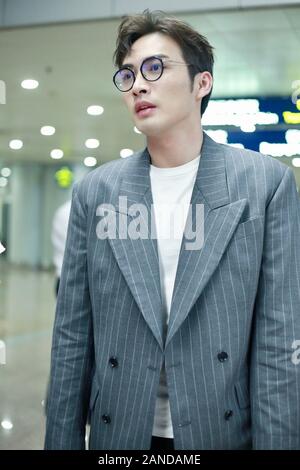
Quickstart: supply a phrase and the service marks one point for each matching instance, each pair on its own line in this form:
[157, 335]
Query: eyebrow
[161, 56]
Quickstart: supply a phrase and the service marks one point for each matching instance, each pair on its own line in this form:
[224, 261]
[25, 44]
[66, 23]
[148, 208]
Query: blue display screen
[271, 133]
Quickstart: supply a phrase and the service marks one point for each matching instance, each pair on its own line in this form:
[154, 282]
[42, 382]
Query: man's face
[175, 104]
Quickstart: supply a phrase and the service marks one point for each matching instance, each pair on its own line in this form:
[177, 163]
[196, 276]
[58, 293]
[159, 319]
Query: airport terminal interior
[61, 117]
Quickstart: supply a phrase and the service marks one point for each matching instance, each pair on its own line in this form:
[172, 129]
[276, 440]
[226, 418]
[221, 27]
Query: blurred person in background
[59, 237]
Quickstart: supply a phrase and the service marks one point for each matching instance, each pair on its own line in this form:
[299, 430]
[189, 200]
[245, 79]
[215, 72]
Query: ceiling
[257, 53]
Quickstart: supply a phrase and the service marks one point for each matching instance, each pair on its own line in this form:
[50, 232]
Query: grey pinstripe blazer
[233, 322]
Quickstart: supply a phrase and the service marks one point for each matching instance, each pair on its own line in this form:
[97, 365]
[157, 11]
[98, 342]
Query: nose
[141, 85]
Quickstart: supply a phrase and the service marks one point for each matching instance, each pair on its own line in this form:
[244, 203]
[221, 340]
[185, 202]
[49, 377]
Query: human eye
[155, 66]
[126, 74]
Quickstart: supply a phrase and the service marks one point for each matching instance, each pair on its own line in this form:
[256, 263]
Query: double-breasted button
[113, 362]
[106, 419]
[223, 356]
[228, 414]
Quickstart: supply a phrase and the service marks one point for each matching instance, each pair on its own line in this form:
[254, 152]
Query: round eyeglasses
[151, 69]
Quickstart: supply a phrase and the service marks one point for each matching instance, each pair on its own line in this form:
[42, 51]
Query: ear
[203, 82]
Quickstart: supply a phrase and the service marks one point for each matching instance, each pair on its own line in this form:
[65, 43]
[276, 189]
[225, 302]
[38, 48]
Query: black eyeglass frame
[141, 70]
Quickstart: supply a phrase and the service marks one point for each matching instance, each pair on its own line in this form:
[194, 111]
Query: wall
[34, 196]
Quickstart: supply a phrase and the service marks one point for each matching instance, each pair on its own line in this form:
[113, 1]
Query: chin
[150, 130]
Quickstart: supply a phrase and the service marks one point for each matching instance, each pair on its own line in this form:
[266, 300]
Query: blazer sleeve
[72, 344]
[274, 375]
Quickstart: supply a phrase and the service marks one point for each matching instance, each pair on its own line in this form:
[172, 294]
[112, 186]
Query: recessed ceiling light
[92, 143]
[90, 161]
[95, 110]
[136, 130]
[29, 84]
[47, 130]
[296, 162]
[16, 144]
[57, 154]
[3, 182]
[126, 153]
[6, 424]
[6, 172]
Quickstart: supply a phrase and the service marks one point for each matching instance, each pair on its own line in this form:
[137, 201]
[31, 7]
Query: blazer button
[223, 356]
[106, 419]
[113, 362]
[228, 414]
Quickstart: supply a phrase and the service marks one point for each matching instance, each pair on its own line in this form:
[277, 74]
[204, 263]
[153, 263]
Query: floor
[27, 307]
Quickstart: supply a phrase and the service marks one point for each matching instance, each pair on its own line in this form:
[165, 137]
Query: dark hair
[195, 48]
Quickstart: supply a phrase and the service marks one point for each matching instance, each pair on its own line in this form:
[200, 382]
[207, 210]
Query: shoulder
[256, 170]
[253, 161]
[106, 178]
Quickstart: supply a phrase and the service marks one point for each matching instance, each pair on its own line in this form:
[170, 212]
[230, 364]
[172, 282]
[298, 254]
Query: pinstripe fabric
[239, 294]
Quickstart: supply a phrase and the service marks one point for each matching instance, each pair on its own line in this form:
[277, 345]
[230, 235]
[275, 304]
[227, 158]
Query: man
[171, 343]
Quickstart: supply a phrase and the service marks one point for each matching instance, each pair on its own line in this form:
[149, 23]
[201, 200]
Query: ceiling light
[47, 130]
[29, 84]
[92, 143]
[136, 130]
[126, 153]
[6, 172]
[3, 182]
[90, 161]
[57, 154]
[95, 110]
[16, 144]
[6, 424]
[296, 162]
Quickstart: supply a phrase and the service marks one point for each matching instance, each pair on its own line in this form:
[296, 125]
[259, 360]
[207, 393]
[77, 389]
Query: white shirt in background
[59, 235]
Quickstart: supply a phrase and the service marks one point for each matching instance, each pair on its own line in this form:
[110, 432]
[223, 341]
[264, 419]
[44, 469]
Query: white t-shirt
[171, 192]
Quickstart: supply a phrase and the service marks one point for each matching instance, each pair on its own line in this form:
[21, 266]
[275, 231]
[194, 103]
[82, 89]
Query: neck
[175, 149]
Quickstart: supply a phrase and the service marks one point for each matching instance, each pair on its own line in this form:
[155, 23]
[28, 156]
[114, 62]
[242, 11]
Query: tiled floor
[27, 308]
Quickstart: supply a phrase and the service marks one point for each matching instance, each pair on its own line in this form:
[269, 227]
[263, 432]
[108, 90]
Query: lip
[143, 105]
[145, 112]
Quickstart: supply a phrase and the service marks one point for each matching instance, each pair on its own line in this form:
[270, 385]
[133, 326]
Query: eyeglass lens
[151, 69]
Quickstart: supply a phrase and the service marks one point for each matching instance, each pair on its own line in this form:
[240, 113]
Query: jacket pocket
[242, 393]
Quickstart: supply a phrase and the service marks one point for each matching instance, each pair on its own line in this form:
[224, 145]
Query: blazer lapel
[195, 267]
[138, 258]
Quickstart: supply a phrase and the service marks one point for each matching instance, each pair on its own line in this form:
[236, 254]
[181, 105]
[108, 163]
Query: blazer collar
[210, 179]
